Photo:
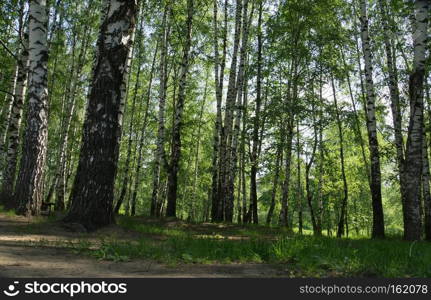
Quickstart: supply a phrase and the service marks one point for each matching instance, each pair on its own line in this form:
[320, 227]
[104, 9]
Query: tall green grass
[306, 255]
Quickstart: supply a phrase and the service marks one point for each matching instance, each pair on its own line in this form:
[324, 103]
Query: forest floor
[37, 248]
[145, 247]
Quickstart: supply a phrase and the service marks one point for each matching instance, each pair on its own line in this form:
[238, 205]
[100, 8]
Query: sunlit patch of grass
[360, 257]
[149, 229]
[313, 256]
[9, 212]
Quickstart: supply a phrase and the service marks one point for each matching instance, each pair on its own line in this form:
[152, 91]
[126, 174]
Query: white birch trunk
[413, 156]
[29, 195]
[375, 185]
[15, 121]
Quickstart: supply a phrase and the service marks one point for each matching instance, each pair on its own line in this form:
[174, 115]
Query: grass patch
[174, 242]
[9, 212]
[359, 257]
[151, 229]
[309, 255]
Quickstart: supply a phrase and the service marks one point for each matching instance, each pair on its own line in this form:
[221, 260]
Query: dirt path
[29, 249]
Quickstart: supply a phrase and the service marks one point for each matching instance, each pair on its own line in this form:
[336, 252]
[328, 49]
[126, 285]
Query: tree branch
[6, 92]
[8, 50]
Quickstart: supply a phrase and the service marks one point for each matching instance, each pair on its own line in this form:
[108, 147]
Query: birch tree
[226, 130]
[14, 126]
[219, 67]
[93, 190]
[160, 155]
[29, 187]
[375, 185]
[344, 201]
[256, 121]
[179, 108]
[413, 155]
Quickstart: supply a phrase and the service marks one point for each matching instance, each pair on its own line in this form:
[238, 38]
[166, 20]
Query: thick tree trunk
[29, 191]
[93, 191]
[427, 201]
[413, 156]
[426, 195]
[375, 186]
[178, 119]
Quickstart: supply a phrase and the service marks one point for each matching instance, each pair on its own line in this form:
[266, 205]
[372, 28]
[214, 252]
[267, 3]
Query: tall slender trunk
[8, 182]
[356, 117]
[11, 109]
[160, 151]
[284, 212]
[278, 161]
[7, 112]
[60, 181]
[320, 205]
[198, 142]
[143, 131]
[93, 191]
[256, 120]
[28, 197]
[126, 176]
[234, 155]
[392, 82]
[219, 79]
[179, 108]
[375, 186]
[309, 164]
[298, 180]
[226, 130]
[413, 156]
[245, 214]
[239, 187]
[343, 211]
[71, 159]
[287, 129]
[241, 103]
